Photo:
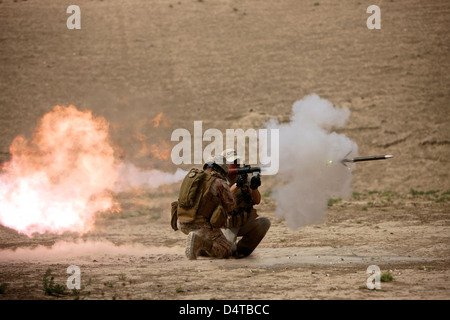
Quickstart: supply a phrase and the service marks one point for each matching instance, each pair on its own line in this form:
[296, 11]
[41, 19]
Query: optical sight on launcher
[244, 170]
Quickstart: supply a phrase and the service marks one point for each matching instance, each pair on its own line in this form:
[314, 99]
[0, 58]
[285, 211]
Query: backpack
[194, 198]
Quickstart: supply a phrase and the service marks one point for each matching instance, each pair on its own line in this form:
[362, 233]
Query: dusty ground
[191, 60]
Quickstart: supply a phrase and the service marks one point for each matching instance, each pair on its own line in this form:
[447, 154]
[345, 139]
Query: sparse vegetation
[332, 201]
[384, 199]
[122, 277]
[3, 288]
[427, 268]
[267, 194]
[179, 289]
[386, 277]
[356, 195]
[50, 288]
[156, 216]
[389, 193]
[443, 199]
[431, 195]
[79, 294]
[152, 67]
[416, 192]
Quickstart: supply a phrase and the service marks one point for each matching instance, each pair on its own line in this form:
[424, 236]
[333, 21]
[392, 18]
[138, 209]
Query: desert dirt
[237, 64]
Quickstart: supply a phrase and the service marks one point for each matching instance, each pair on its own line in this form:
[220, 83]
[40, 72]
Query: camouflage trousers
[252, 232]
[221, 248]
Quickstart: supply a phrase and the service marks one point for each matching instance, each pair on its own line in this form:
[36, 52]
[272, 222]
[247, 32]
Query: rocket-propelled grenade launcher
[244, 171]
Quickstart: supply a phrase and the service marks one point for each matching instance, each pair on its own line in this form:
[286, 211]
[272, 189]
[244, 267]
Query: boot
[196, 244]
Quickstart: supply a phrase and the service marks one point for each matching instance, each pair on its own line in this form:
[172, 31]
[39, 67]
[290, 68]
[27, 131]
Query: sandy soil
[192, 60]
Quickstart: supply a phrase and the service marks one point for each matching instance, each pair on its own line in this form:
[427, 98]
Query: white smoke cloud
[310, 167]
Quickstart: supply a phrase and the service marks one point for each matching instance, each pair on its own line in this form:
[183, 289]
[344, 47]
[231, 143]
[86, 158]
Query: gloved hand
[240, 182]
[255, 182]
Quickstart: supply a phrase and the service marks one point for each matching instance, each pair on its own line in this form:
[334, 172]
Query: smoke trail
[129, 176]
[69, 250]
[310, 167]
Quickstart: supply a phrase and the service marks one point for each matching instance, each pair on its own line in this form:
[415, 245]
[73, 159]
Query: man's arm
[256, 196]
[225, 195]
[255, 182]
[254, 193]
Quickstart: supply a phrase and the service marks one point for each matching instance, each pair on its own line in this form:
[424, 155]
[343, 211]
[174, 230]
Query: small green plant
[79, 295]
[426, 268]
[356, 195]
[443, 199]
[156, 216]
[332, 201]
[179, 289]
[122, 277]
[386, 277]
[389, 193]
[50, 288]
[267, 194]
[3, 288]
[416, 193]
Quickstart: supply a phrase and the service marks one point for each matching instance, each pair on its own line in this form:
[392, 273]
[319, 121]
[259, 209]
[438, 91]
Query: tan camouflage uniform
[248, 225]
[221, 247]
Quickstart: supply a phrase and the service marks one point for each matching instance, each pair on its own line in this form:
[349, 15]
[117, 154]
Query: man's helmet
[217, 161]
[231, 155]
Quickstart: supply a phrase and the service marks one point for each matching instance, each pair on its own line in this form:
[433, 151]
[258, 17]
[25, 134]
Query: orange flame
[159, 120]
[159, 150]
[56, 181]
[156, 120]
